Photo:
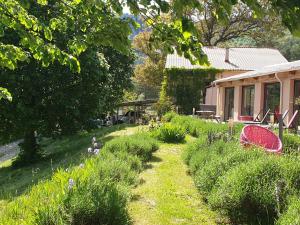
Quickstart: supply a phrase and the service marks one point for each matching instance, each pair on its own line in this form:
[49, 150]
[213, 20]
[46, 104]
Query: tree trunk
[30, 150]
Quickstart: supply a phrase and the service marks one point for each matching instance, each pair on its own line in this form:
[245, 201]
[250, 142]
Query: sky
[126, 10]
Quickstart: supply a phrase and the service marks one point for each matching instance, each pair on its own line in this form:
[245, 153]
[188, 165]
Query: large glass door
[248, 100]
[272, 97]
[229, 103]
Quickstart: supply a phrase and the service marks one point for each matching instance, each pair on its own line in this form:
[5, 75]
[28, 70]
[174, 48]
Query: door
[248, 100]
[272, 97]
[229, 103]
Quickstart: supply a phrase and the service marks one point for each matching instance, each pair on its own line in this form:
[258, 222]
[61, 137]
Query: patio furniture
[283, 115]
[290, 123]
[262, 137]
[256, 119]
[259, 121]
[206, 111]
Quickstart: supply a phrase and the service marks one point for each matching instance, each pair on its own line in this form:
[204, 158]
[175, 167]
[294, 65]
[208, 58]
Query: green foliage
[249, 185]
[96, 192]
[164, 103]
[141, 145]
[197, 127]
[57, 102]
[149, 72]
[289, 46]
[291, 143]
[38, 25]
[292, 214]
[5, 94]
[186, 87]
[170, 133]
[168, 116]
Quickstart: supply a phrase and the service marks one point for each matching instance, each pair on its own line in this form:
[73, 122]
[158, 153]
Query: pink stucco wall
[211, 96]
[211, 92]
[287, 97]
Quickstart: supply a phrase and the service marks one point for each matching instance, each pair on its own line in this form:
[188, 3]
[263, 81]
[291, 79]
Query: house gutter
[281, 92]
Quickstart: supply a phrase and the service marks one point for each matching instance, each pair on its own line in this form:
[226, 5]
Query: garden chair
[283, 115]
[256, 120]
[290, 123]
[260, 136]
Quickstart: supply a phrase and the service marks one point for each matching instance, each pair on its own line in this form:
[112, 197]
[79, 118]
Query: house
[272, 87]
[231, 61]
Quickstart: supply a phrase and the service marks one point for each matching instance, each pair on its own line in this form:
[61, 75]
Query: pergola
[138, 105]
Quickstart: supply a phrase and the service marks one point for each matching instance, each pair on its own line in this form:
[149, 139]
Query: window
[248, 100]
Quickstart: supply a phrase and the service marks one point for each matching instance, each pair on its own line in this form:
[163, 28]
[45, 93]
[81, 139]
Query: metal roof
[267, 70]
[239, 58]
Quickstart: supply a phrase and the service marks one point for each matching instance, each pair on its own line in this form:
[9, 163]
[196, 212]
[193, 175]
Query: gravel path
[9, 151]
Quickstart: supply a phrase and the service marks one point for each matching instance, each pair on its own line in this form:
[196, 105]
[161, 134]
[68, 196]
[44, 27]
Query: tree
[94, 24]
[241, 22]
[149, 72]
[67, 37]
[290, 47]
[54, 101]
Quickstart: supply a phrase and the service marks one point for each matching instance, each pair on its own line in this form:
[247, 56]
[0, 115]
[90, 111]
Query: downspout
[281, 92]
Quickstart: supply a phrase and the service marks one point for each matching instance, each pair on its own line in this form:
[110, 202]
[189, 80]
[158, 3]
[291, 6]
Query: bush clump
[141, 145]
[170, 133]
[95, 192]
[249, 185]
[291, 143]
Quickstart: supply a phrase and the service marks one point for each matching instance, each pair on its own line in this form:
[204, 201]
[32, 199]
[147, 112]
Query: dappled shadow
[60, 153]
[155, 159]
[136, 197]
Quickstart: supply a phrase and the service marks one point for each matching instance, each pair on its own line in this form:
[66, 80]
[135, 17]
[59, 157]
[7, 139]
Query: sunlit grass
[167, 194]
[61, 153]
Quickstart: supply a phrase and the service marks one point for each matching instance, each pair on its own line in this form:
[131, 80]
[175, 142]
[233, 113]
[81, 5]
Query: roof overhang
[278, 68]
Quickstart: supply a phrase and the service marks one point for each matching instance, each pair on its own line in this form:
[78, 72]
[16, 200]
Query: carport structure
[138, 107]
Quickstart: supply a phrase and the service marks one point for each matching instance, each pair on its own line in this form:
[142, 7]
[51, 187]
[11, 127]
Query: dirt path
[167, 194]
[9, 151]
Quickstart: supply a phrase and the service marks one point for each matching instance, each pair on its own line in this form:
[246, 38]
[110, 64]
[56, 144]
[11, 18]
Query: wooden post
[118, 114]
[177, 109]
[194, 110]
[134, 114]
[280, 121]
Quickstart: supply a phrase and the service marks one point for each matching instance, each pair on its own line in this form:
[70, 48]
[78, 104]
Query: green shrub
[292, 215]
[248, 190]
[197, 127]
[291, 143]
[169, 116]
[258, 188]
[207, 175]
[141, 145]
[96, 192]
[192, 148]
[249, 185]
[170, 133]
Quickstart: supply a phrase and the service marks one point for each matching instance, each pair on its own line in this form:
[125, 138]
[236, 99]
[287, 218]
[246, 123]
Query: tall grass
[95, 192]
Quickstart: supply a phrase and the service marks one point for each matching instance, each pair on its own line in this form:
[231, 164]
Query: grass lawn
[167, 195]
[60, 154]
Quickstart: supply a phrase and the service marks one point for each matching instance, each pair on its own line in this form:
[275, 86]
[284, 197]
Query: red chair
[260, 136]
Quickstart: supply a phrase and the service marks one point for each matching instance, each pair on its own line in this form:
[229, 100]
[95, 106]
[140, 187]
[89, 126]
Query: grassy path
[167, 195]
